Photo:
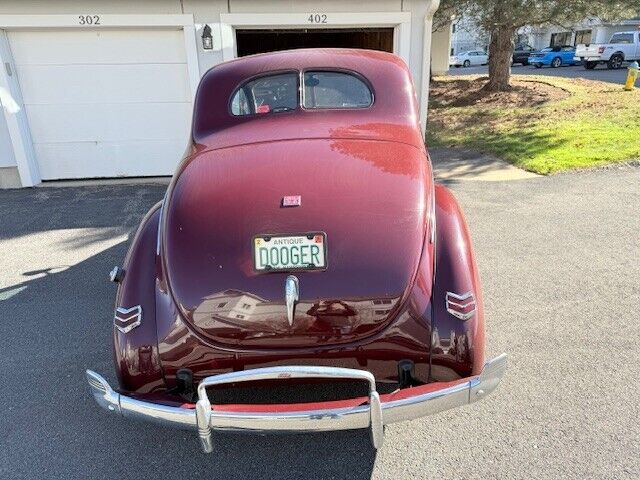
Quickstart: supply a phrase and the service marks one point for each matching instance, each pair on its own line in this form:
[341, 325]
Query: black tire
[466, 63]
[537, 65]
[556, 62]
[615, 62]
[525, 63]
[590, 65]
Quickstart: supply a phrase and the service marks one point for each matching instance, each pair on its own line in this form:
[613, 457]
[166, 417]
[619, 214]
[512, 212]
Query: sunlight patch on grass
[598, 123]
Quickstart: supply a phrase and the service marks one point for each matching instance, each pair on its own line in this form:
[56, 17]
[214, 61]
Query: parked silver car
[466, 59]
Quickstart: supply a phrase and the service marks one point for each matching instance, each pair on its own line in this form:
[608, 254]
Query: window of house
[325, 89]
[240, 316]
[561, 38]
[221, 305]
[268, 94]
[582, 37]
[246, 306]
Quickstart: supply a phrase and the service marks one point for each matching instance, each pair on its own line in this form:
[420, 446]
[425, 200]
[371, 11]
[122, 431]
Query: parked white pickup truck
[623, 46]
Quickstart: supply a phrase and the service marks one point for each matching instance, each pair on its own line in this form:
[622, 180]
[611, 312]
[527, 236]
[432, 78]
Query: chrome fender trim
[373, 414]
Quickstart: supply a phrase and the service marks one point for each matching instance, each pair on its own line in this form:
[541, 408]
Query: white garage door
[104, 103]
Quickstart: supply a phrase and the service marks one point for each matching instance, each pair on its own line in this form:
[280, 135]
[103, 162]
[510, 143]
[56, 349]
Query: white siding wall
[7, 159]
[440, 48]
[605, 32]
[35, 7]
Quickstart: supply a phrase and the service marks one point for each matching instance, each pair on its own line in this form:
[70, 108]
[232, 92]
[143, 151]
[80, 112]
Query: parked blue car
[553, 56]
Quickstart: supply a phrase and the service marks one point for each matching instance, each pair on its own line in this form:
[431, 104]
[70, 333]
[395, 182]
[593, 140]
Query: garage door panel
[71, 160]
[110, 46]
[107, 103]
[60, 84]
[109, 123]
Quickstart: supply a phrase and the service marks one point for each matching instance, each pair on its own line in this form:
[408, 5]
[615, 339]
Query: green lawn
[580, 123]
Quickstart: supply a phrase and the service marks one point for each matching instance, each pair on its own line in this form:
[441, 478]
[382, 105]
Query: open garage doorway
[250, 42]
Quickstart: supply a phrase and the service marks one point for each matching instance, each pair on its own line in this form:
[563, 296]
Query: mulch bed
[458, 92]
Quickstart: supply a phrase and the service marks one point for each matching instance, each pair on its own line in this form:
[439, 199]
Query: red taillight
[601, 50]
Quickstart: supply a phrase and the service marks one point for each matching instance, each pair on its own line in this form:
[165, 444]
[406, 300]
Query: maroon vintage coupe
[302, 241]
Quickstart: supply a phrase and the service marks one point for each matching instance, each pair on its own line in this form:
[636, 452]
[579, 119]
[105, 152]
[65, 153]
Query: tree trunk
[500, 56]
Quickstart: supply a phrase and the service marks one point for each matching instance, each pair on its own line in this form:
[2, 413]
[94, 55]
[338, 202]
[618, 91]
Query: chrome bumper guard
[372, 414]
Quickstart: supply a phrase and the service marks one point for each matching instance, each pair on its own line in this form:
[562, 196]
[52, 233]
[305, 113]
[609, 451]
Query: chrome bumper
[587, 59]
[372, 413]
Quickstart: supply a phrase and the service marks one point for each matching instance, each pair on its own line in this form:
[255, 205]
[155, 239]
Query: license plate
[306, 251]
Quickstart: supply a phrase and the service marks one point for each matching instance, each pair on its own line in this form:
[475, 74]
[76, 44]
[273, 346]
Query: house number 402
[317, 18]
[89, 19]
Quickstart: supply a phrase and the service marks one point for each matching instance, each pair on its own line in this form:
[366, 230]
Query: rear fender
[457, 345]
[136, 352]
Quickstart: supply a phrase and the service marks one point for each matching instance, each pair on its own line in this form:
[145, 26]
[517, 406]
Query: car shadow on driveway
[56, 322]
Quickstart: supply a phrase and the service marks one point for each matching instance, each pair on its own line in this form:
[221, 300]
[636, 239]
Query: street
[559, 261]
[600, 73]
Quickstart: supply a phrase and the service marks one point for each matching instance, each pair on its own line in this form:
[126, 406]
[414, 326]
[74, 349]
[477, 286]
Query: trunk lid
[370, 199]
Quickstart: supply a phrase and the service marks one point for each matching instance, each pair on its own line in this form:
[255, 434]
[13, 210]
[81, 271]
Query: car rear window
[267, 94]
[622, 38]
[326, 89]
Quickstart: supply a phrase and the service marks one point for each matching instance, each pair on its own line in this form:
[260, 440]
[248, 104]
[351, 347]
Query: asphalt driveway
[560, 262]
[600, 73]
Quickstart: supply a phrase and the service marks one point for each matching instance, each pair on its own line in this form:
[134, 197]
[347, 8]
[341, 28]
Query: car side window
[268, 94]
[327, 89]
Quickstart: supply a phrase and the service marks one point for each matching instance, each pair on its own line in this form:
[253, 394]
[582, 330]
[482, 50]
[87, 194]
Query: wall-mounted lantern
[207, 38]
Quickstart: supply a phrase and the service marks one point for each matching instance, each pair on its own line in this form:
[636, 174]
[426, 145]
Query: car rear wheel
[615, 62]
[590, 65]
[525, 63]
[466, 63]
[537, 65]
[556, 62]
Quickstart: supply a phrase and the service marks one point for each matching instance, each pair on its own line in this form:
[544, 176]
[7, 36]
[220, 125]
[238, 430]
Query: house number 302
[89, 19]
[317, 18]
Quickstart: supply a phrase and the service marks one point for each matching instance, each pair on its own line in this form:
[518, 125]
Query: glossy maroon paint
[365, 179]
[212, 249]
[457, 346]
